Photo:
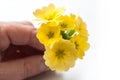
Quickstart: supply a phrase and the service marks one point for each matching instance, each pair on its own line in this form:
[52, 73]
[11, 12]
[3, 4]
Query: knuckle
[4, 41]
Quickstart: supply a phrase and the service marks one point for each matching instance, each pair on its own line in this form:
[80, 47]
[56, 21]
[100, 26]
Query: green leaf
[64, 35]
[68, 34]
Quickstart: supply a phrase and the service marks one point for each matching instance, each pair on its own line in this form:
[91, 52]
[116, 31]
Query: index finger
[18, 34]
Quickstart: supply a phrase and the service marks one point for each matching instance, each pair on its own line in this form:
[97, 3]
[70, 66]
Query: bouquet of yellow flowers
[64, 37]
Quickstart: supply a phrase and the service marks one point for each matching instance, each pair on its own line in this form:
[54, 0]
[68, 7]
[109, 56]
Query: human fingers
[14, 52]
[18, 34]
[24, 22]
[23, 68]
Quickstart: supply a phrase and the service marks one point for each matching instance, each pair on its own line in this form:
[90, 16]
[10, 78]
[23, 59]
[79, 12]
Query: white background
[102, 60]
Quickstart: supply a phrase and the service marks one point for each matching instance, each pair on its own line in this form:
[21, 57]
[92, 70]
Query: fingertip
[34, 42]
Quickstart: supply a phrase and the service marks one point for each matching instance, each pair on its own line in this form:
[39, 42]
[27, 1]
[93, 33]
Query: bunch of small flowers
[64, 37]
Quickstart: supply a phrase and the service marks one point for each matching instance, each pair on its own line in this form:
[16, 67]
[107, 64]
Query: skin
[22, 54]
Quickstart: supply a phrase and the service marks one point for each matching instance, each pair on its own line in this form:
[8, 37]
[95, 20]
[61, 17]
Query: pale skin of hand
[20, 34]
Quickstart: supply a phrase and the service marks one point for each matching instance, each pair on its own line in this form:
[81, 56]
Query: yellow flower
[67, 22]
[49, 13]
[81, 27]
[80, 44]
[47, 33]
[61, 55]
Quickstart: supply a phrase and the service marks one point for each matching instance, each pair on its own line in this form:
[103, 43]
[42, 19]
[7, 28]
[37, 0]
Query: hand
[20, 51]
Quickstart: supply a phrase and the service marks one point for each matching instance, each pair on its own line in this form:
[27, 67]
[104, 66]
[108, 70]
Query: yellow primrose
[61, 55]
[81, 27]
[47, 33]
[67, 22]
[49, 13]
[80, 44]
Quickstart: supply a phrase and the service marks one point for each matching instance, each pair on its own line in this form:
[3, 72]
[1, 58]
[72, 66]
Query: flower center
[76, 45]
[49, 18]
[60, 53]
[63, 25]
[50, 35]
